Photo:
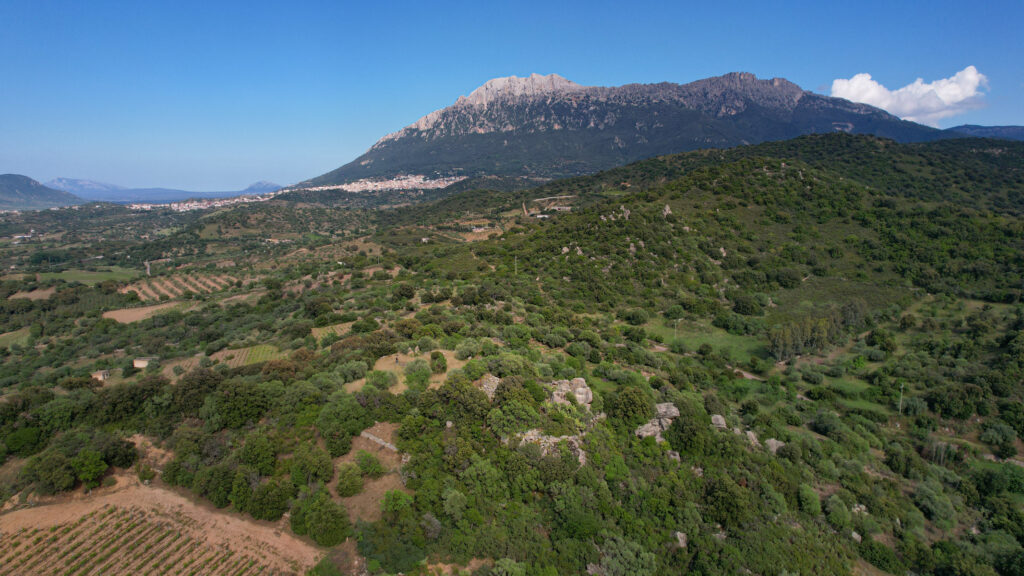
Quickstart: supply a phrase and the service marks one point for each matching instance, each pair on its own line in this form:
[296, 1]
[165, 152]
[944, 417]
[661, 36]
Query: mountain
[19, 192]
[544, 127]
[103, 192]
[1002, 132]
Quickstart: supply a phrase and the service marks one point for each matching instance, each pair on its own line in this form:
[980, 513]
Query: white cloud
[922, 102]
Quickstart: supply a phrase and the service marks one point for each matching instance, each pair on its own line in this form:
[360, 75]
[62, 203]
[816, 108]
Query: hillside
[795, 357]
[549, 127]
[1003, 132]
[23, 193]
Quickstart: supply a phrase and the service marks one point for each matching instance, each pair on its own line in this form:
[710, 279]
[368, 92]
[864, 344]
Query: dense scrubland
[825, 333]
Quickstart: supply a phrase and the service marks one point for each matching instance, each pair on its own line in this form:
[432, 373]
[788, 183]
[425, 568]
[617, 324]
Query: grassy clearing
[738, 348]
[19, 337]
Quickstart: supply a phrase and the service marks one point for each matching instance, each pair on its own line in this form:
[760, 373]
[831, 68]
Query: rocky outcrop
[489, 384]
[665, 413]
[549, 444]
[576, 388]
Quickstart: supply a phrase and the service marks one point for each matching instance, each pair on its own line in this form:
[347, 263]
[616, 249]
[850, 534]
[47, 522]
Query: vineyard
[233, 358]
[130, 539]
[170, 287]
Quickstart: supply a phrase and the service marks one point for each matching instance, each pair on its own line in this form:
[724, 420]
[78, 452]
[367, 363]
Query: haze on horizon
[201, 97]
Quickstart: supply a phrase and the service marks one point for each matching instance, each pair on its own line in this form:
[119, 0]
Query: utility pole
[516, 264]
[901, 398]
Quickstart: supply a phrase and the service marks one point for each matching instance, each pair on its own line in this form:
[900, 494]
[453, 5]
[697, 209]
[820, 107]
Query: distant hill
[19, 192]
[103, 192]
[1002, 132]
[545, 127]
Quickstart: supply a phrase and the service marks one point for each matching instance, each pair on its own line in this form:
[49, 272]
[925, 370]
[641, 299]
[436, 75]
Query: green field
[91, 277]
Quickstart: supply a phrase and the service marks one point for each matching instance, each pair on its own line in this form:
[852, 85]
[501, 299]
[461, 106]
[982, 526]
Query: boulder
[752, 437]
[774, 445]
[718, 421]
[489, 383]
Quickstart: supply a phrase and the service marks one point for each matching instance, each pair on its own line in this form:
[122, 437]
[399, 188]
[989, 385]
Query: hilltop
[19, 192]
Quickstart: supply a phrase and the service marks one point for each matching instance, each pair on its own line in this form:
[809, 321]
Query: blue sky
[216, 95]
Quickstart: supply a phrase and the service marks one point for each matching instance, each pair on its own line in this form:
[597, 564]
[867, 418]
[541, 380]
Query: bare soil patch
[40, 294]
[129, 315]
[366, 505]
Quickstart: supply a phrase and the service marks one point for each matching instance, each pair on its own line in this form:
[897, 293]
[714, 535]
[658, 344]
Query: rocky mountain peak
[515, 87]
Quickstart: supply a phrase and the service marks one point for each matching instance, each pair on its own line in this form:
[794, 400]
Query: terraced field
[175, 286]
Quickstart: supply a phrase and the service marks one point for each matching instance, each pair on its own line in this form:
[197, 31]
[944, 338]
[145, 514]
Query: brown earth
[366, 505]
[40, 294]
[128, 315]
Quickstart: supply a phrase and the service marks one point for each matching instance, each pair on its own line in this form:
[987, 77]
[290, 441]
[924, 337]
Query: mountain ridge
[551, 127]
[105, 192]
[19, 192]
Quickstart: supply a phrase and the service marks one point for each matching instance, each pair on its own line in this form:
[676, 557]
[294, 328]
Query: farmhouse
[101, 375]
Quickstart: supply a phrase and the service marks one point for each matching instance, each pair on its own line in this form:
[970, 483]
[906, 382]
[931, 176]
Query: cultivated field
[233, 358]
[339, 329]
[175, 286]
[137, 529]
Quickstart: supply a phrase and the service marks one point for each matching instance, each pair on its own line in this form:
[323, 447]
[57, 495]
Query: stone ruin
[665, 413]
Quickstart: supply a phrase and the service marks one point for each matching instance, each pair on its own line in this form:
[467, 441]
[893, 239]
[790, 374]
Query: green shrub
[369, 465]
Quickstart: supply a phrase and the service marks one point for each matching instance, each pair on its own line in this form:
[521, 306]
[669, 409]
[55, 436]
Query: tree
[324, 520]
[51, 472]
[438, 363]
[350, 479]
[310, 464]
[269, 501]
[632, 406]
[258, 452]
[621, 557]
[89, 467]
[809, 500]
[417, 374]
